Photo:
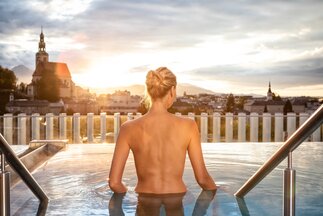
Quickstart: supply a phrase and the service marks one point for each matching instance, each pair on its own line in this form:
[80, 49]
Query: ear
[173, 91]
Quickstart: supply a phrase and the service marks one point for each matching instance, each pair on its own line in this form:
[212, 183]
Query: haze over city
[222, 46]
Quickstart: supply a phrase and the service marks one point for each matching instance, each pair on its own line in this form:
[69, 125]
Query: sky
[225, 46]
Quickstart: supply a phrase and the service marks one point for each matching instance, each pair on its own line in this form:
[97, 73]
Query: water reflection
[151, 205]
[42, 208]
[242, 206]
[202, 203]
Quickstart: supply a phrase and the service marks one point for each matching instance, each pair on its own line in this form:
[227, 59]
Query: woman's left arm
[119, 159]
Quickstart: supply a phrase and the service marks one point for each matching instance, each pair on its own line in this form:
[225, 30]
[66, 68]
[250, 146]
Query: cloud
[283, 74]
[234, 41]
[140, 69]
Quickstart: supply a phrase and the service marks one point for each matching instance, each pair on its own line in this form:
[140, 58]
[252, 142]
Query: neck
[158, 106]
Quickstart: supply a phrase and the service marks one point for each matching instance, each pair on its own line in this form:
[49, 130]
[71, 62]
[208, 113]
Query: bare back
[159, 144]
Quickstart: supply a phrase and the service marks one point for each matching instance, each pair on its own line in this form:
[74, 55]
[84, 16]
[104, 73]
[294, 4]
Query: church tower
[41, 55]
[269, 93]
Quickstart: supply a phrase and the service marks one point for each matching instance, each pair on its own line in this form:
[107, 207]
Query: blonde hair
[158, 83]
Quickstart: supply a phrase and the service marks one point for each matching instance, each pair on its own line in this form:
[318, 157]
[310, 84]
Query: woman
[159, 141]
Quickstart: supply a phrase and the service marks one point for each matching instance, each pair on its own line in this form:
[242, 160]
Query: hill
[140, 89]
[23, 73]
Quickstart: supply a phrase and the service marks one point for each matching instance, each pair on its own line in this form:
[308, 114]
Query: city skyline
[222, 46]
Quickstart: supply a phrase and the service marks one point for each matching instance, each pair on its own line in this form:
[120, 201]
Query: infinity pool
[74, 179]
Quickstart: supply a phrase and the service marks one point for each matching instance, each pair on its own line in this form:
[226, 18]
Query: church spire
[269, 93]
[41, 44]
[41, 55]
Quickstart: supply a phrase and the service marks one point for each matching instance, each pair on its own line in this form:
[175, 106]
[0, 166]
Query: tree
[230, 105]
[69, 111]
[276, 98]
[8, 82]
[22, 87]
[266, 109]
[47, 88]
[288, 107]
[242, 101]
[8, 79]
[142, 108]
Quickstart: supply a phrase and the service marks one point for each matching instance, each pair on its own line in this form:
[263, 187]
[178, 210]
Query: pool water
[74, 179]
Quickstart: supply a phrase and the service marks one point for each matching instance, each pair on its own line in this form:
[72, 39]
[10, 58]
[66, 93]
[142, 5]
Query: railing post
[253, 127]
[62, 125]
[90, 125]
[316, 136]
[266, 127]
[24, 173]
[242, 127]
[21, 129]
[279, 127]
[305, 130]
[49, 126]
[302, 118]
[289, 188]
[116, 124]
[216, 127]
[76, 128]
[204, 128]
[228, 127]
[129, 116]
[291, 123]
[103, 126]
[35, 126]
[138, 115]
[191, 115]
[8, 127]
[4, 188]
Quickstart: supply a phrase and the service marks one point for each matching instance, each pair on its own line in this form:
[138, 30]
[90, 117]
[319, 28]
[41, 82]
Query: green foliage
[242, 101]
[70, 111]
[8, 82]
[142, 108]
[47, 88]
[288, 107]
[266, 109]
[22, 87]
[8, 79]
[230, 105]
[276, 98]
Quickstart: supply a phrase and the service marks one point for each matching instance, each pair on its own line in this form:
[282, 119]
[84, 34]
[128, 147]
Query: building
[83, 107]
[121, 102]
[265, 105]
[42, 107]
[66, 84]
[299, 105]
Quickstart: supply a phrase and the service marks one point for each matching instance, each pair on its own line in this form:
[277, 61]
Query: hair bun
[159, 82]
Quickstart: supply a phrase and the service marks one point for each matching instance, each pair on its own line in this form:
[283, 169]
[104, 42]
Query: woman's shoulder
[132, 124]
[184, 121]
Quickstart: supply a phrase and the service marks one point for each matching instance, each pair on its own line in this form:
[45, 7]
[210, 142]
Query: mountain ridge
[138, 89]
[23, 73]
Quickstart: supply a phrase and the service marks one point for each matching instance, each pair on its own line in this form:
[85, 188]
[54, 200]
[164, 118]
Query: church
[42, 63]
[268, 105]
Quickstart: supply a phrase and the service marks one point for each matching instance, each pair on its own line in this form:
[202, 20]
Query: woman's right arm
[196, 157]
[118, 163]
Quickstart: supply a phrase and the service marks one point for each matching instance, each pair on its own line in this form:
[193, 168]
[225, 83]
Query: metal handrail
[303, 132]
[23, 172]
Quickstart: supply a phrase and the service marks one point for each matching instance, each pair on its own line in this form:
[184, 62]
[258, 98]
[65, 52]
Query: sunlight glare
[108, 73]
